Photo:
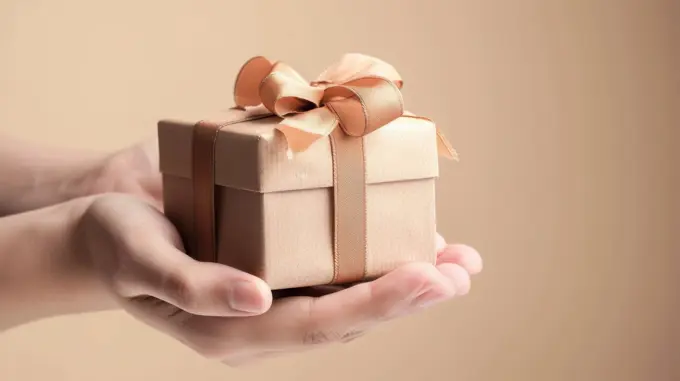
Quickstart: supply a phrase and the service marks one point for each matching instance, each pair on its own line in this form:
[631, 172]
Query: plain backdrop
[566, 115]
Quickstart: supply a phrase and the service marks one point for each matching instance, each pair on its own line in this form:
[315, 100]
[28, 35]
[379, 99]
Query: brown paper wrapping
[274, 213]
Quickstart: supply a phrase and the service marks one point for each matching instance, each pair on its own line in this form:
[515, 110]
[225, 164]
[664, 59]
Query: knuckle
[99, 206]
[106, 204]
[120, 285]
[180, 289]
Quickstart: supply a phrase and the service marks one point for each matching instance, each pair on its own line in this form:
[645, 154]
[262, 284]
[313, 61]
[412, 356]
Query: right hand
[138, 254]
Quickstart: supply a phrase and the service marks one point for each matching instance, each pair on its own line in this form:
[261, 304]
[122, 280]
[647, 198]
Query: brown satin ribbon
[205, 133]
[349, 207]
[359, 94]
[203, 178]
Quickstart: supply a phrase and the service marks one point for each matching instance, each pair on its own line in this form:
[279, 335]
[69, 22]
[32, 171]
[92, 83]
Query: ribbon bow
[360, 94]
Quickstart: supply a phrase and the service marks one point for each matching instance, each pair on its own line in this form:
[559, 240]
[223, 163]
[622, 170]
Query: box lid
[252, 155]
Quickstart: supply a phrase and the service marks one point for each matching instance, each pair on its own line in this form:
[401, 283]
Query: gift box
[306, 183]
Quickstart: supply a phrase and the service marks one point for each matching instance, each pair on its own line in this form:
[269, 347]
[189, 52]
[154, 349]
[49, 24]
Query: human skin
[85, 232]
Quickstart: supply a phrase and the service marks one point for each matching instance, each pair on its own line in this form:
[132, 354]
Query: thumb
[200, 288]
[143, 258]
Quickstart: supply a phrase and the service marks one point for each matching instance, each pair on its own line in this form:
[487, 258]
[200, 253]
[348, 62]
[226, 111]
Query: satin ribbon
[359, 94]
[350, 99]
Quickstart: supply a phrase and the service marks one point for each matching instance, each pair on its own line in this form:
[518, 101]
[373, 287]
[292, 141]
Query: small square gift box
[306, 183]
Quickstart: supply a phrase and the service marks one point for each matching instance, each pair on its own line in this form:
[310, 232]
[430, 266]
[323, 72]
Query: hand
[36, 176]
[133, 170]
[138, 255]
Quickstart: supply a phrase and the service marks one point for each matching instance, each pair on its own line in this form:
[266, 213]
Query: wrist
[79, 278]
[39, 177]
[44, 272]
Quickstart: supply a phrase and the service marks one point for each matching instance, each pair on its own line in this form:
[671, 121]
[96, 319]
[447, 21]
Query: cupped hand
[226, 314]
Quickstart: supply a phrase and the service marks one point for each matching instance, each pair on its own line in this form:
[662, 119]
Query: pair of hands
[223, 313]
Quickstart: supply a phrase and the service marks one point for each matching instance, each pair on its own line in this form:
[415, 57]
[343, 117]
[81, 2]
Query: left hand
[133, 171]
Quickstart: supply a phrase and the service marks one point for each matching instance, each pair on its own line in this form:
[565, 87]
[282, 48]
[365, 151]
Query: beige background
[567, 117]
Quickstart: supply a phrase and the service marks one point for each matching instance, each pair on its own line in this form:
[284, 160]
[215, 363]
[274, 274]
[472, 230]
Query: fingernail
[246, 297]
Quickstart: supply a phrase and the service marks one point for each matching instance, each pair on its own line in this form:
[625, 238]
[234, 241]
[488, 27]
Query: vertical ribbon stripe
[204, 247]
[203, 166]
[349, 207]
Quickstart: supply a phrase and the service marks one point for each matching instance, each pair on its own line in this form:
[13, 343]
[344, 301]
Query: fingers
[458, 275]
[298, 322]
[362, 305]
[208, 289]
[150, 262]
[463, 255]
[178, 295]
[458, 262]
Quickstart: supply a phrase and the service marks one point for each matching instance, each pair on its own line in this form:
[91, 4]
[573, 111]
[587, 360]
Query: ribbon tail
[304, 129]
[445, 148]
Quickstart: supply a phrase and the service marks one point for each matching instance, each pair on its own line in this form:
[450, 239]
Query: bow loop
[359, 93]
[247, 85]
[283, 94]
[354, 66]
[363, 105]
